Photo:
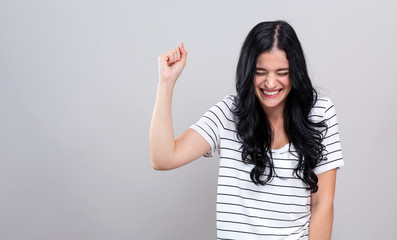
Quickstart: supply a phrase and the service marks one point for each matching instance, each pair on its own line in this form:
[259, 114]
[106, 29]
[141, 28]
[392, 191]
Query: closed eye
[260, 73]
[282, 74]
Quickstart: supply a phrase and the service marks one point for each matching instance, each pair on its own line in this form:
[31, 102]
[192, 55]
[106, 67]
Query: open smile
[271, 94]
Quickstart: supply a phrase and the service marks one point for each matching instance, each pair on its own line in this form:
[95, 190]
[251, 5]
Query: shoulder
[223, 111]
[226, 105]
[230, 101]
[323, 102]
[322, 107]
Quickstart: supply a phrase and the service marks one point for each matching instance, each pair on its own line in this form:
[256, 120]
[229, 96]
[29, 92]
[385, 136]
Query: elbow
[157, 168]
[159, 165]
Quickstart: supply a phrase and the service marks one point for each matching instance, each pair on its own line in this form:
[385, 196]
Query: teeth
[270, 93]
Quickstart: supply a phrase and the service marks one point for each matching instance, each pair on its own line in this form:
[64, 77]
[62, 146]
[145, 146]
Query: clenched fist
[171, 64]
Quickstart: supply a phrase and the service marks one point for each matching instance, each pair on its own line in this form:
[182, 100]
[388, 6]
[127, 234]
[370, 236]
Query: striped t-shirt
[281, 208]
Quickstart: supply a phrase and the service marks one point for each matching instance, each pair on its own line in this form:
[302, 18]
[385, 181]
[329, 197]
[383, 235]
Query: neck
[276, 120]
[275, 114]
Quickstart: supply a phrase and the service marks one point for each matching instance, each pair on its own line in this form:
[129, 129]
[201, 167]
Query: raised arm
[166, 152]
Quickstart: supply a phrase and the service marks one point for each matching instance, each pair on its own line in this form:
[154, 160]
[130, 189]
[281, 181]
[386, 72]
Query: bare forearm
[321, 222]
[161, 138]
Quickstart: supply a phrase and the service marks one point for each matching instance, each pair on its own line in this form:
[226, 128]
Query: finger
[163, 63]
[163, 59]
[174, 56]
[178, 54]
[171, 58]
[183, 52]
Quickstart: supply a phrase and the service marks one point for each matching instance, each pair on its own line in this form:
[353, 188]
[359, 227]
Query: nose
[271, 82]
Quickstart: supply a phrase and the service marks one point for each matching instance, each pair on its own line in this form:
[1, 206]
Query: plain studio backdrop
[78, 85]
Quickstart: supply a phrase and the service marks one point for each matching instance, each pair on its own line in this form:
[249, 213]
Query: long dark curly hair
[253, 127]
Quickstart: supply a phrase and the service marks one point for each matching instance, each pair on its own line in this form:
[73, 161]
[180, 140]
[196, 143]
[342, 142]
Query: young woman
[278, 141]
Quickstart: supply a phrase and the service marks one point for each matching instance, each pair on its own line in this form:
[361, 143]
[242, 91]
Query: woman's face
[272, 83]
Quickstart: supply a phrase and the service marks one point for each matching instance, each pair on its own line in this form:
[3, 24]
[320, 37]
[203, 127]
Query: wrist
[165, 86]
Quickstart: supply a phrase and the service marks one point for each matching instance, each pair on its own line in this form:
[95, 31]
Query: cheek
[256, 86]
[287, 83]
[257, 82]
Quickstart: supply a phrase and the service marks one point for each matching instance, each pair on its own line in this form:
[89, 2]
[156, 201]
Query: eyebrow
[278, 70]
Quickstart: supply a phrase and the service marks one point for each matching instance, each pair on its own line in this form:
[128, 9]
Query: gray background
[78, 84]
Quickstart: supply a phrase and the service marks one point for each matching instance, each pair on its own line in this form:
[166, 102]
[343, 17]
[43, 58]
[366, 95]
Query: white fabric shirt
[281, 208]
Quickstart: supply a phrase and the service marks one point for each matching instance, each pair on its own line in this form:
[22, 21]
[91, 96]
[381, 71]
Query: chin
[272, 104]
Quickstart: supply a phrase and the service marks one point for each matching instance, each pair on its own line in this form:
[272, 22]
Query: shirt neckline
[285, 147]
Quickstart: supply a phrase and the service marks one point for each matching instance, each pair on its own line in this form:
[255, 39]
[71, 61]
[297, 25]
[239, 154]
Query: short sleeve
[213, 123]
[331, 141]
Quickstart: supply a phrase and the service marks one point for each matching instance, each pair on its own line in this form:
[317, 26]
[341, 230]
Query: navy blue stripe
[261, 225]
[221, 122]
[329, 144]
[255, 208]
[212, 121]
[268, 184]
[328, 162]
[331, 135]
[236, 141]
[207, 134]
[259, 234]
[230, 120]
[276, 194]
[241, 161]
[263, 201]
[212, 132]
[329, 108]
[330, 117]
